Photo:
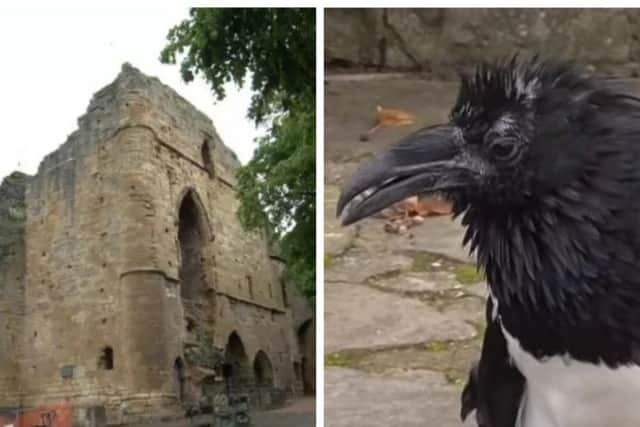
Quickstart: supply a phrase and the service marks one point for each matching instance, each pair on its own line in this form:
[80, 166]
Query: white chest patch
[562, 392]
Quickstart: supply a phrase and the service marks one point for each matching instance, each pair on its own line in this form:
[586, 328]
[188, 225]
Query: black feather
[495, 386]
[558, 231]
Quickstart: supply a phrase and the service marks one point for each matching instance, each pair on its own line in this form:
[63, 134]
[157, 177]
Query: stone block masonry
[443, 41]
[132, 262]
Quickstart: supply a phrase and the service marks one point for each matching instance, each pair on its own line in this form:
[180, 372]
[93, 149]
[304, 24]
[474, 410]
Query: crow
[541, 161]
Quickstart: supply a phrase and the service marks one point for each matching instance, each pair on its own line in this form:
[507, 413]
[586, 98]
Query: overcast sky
[54, 60]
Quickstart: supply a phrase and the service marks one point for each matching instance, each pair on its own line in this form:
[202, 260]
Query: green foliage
[276, 190]
[276, 47]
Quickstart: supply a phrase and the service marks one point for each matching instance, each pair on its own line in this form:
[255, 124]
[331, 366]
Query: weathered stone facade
[133, 282]
[443, 41]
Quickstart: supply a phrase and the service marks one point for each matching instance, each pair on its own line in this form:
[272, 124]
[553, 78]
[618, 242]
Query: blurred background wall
[440, 41]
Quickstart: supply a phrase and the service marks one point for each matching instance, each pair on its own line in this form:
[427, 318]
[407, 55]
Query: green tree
[276, 48]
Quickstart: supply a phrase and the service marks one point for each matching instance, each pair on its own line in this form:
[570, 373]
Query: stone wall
[440, 40]
[106, 321]
[12, 270]
[303, 319]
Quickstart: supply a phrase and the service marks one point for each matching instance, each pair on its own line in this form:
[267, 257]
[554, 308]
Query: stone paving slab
[357, 316]
[400, 331]
[420, 281]
[469, 309]
[413, 398]
[377, 252]
[437, 234]
[450, 358]
[358, 265]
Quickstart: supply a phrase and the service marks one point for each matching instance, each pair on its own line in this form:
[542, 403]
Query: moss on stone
[468, 274]
[327, 260]
[386, 275]
[449, 357]
[340, 359]
[422, 261]
[360, 157]
[465, 274]
[438, 345]
[452, 376]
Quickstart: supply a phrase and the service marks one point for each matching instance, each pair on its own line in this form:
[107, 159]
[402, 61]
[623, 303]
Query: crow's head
[543, 164]
[520, 133]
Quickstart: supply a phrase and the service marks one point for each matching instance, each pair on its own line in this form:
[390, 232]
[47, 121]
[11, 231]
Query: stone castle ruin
[128, 288]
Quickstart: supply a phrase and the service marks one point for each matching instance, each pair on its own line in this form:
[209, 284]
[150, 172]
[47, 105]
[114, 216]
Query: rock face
[138, 281]
[441, 39]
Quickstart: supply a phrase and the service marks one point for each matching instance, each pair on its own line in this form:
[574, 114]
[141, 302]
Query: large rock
[438, 39]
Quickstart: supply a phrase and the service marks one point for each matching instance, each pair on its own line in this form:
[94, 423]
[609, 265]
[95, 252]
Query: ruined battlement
[135, 100]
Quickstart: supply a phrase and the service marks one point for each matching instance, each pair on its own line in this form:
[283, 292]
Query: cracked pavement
[403, 312]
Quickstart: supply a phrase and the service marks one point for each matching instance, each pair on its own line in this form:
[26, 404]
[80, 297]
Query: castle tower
[138, 277]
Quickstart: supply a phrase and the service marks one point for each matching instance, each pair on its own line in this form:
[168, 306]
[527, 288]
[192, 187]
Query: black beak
[427, 161]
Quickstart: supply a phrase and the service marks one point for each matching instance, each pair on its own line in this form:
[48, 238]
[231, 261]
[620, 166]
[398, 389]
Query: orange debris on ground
[388, 118]
[412, 211]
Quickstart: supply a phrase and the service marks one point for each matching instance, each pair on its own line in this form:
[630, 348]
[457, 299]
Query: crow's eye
[503, 149]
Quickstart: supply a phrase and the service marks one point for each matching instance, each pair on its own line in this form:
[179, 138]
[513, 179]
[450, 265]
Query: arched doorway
[178, 378]
[191, 237]
[236, 361]
[307, 346]
[262, 370]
